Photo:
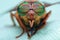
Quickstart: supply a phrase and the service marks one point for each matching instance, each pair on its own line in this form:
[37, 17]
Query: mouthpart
[31, 23]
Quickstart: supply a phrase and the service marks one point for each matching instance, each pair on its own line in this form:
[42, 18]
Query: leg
[12, 15]
[41, 26]
[20, 34]
[28, 35]
[46, 17]
[43, 20]
[20, 24]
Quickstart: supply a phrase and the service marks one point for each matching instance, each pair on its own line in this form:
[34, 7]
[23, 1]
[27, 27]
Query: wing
[50, 4]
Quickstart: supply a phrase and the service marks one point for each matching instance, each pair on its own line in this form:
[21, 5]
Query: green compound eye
[20, 12]
[22, 9]
[41, 10]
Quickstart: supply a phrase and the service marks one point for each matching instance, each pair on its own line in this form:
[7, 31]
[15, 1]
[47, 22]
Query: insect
[31, 16]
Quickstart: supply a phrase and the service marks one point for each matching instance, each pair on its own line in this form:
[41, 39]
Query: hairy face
[31, 13]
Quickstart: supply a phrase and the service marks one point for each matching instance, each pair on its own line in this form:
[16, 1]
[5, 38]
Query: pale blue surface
[50, 32]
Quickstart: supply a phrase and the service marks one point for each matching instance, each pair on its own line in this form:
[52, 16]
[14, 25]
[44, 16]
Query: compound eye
[40, 10]
[21, 11]
[22, 14]
[24, 8]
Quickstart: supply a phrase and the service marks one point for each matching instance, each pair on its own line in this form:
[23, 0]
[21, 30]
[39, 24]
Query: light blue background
[50, 32]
